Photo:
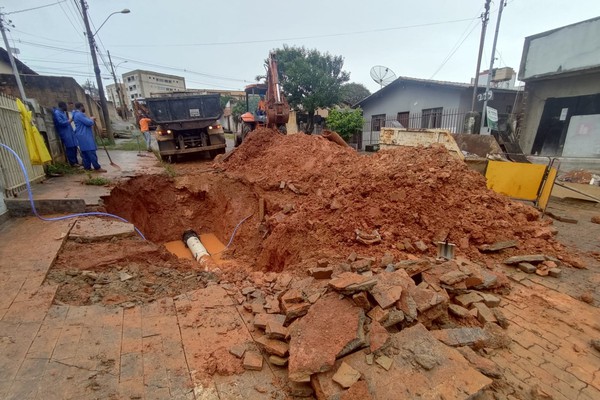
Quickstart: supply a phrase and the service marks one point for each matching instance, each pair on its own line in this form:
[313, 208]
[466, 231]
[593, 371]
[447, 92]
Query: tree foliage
[239, 108]
[352, 93]
[310, 79]
[345, 121]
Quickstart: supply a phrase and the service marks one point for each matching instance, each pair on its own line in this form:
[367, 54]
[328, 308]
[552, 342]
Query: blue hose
[87, 214]
[232, 235]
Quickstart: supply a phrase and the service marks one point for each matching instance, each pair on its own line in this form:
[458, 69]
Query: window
[403, 118]
[377, 121]
[431, 118]
[132, 96]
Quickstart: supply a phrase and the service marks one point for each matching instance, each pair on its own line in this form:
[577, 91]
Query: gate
[12, 181]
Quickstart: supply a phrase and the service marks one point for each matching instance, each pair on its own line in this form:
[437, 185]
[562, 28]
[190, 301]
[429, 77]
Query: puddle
[212, 244]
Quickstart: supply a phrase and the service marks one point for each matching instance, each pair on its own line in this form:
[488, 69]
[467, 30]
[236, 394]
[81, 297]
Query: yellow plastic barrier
[523, 181]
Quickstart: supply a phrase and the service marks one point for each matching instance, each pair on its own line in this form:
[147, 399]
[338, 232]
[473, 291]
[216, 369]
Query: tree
[310, 79]
[238, 109]
[353, 92]
[224, 99]
[345, 121]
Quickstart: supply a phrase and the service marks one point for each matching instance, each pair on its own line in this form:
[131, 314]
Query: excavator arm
[278, 109]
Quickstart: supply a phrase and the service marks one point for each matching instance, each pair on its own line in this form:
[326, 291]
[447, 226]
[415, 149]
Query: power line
[69, 18]
[35, 8]
[452, 52]
[300, 37]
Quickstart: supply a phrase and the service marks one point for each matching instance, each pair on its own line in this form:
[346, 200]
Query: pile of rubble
[350, 327]
[318, 197]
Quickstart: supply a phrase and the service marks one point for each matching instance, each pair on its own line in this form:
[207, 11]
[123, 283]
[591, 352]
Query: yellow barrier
[523, 181]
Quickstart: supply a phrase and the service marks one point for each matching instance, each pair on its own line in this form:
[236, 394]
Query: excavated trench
[130, 270]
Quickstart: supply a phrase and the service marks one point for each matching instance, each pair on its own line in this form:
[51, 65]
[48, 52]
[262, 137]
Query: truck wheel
[238, 140]
[282, 129]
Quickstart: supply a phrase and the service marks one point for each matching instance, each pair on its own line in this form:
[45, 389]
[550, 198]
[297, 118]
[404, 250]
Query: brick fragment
[467, 299]
[362, 300]
[275, 347]
[385, 362]
[484, 314]
[279, 361]
[238, 350]
[321, 273]
[346, 376]
[253, 361]
[555, 272]
[458, 311]
[275, 330]
[490, 300]
[527, 267]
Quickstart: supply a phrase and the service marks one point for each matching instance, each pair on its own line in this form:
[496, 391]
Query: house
[422, 103]
[561, 71]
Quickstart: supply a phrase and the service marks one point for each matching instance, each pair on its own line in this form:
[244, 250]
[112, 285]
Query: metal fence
[436, 118]
[12, 180]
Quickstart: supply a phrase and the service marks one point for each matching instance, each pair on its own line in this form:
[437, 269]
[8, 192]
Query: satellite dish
[382, 75]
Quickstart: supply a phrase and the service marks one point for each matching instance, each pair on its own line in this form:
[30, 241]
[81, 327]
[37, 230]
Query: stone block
[484, 314]
[261, 320]
[275, 330]
[295, 310]
[275, 347]
[346, 376]
[457, 337]
[279, 361]
[293, 296]
[362, 300]
[413, 267]
[378, 314]
[467, 299]
[458, 311]
[385, 362]
[321, 273]
[533, 258]
[361, 265]
[253, 361]
[238, 350]
[333, 327]
[527, 267]
[349, 283]
[489, 299]
[555, 272]
[453, 277]
[97, 229]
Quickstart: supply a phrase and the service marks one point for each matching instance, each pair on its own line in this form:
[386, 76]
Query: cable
[35, 8]
[301, 37]
[453, 52]
[87, 214]
[232, 235]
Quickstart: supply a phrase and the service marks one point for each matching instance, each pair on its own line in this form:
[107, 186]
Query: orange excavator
[266, 104]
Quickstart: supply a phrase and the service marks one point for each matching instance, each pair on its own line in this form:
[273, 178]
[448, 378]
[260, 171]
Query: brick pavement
[162, 350]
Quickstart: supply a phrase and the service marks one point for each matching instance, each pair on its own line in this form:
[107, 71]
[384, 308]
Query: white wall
[566, 49]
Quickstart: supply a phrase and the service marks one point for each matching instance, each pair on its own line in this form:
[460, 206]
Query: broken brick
[534, 258]
[490, 300]
[453, 277]
[527, 267]
[321, 273]
[295, 310]
[275, 330]
[378, 314]
[458, 311]
[394, 317]
[275, 347]
[419, 244]
[293, 296]
[238, 350]
[361, 299]
[467, 299]
[279, 361]
[361, 265]
[349, 283]
[386, 260]
[253, 361]
[554, 272]
[346, 376]
[484, 314]
[261, 320]
[378, 336]
[385, 362]
[322, 263]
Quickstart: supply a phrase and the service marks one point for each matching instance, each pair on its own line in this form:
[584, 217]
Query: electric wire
[77, 215]
[35, 8]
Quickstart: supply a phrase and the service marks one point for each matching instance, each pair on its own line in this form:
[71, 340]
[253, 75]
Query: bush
[345, 121]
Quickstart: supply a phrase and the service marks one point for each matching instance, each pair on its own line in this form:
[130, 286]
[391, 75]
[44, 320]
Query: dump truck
[186, 123]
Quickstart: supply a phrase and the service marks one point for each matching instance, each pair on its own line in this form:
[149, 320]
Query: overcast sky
[222, 44]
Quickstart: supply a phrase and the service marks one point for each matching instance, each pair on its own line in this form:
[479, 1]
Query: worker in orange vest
[145, 128]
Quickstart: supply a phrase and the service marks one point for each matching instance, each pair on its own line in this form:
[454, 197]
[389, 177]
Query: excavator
[266, 104]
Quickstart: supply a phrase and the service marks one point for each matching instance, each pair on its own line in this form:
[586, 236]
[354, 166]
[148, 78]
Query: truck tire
[282, 129]
[246, 129]
[238, 140]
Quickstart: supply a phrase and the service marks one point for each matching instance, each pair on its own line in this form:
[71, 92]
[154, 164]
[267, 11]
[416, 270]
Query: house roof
[22, 68]
[425, 82]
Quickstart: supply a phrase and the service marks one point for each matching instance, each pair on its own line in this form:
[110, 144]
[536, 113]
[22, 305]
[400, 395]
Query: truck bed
[205, 107]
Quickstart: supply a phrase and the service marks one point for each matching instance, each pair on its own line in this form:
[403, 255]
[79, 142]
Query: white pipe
[192, 241]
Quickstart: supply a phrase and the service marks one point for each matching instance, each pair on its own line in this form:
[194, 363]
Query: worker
[85, 138]
[145, 128]
[62, 122]
[262, 106]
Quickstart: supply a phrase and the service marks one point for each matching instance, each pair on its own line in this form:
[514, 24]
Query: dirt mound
[409, 195]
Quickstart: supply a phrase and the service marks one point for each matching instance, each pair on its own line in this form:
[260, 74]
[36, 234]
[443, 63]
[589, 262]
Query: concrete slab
[422, 368]
[97, 229]
[22, 207]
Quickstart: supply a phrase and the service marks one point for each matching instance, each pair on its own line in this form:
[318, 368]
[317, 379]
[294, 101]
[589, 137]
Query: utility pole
[11, 58]
[92, 43]
[490, 70]
[117, 87]
[485, 17]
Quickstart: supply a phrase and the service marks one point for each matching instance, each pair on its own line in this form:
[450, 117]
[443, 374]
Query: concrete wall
[5, 68]
[536, 93]
[571, 48]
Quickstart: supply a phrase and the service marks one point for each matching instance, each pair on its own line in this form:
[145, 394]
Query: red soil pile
[406, 194]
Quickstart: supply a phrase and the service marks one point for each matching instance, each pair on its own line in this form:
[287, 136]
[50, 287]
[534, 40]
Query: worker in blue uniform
[85, 138]
[62, 122]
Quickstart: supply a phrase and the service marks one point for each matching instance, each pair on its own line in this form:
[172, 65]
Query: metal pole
[485, 17]
[490, 70]
[12, 59]
[103, 105]
[117, 88]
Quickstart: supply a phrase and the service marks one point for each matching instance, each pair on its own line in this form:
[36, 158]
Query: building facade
[113, 94]
[561, 71]
[427, 104]
[142, 84]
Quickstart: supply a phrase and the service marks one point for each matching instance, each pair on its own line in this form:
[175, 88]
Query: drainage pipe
[192, 241]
